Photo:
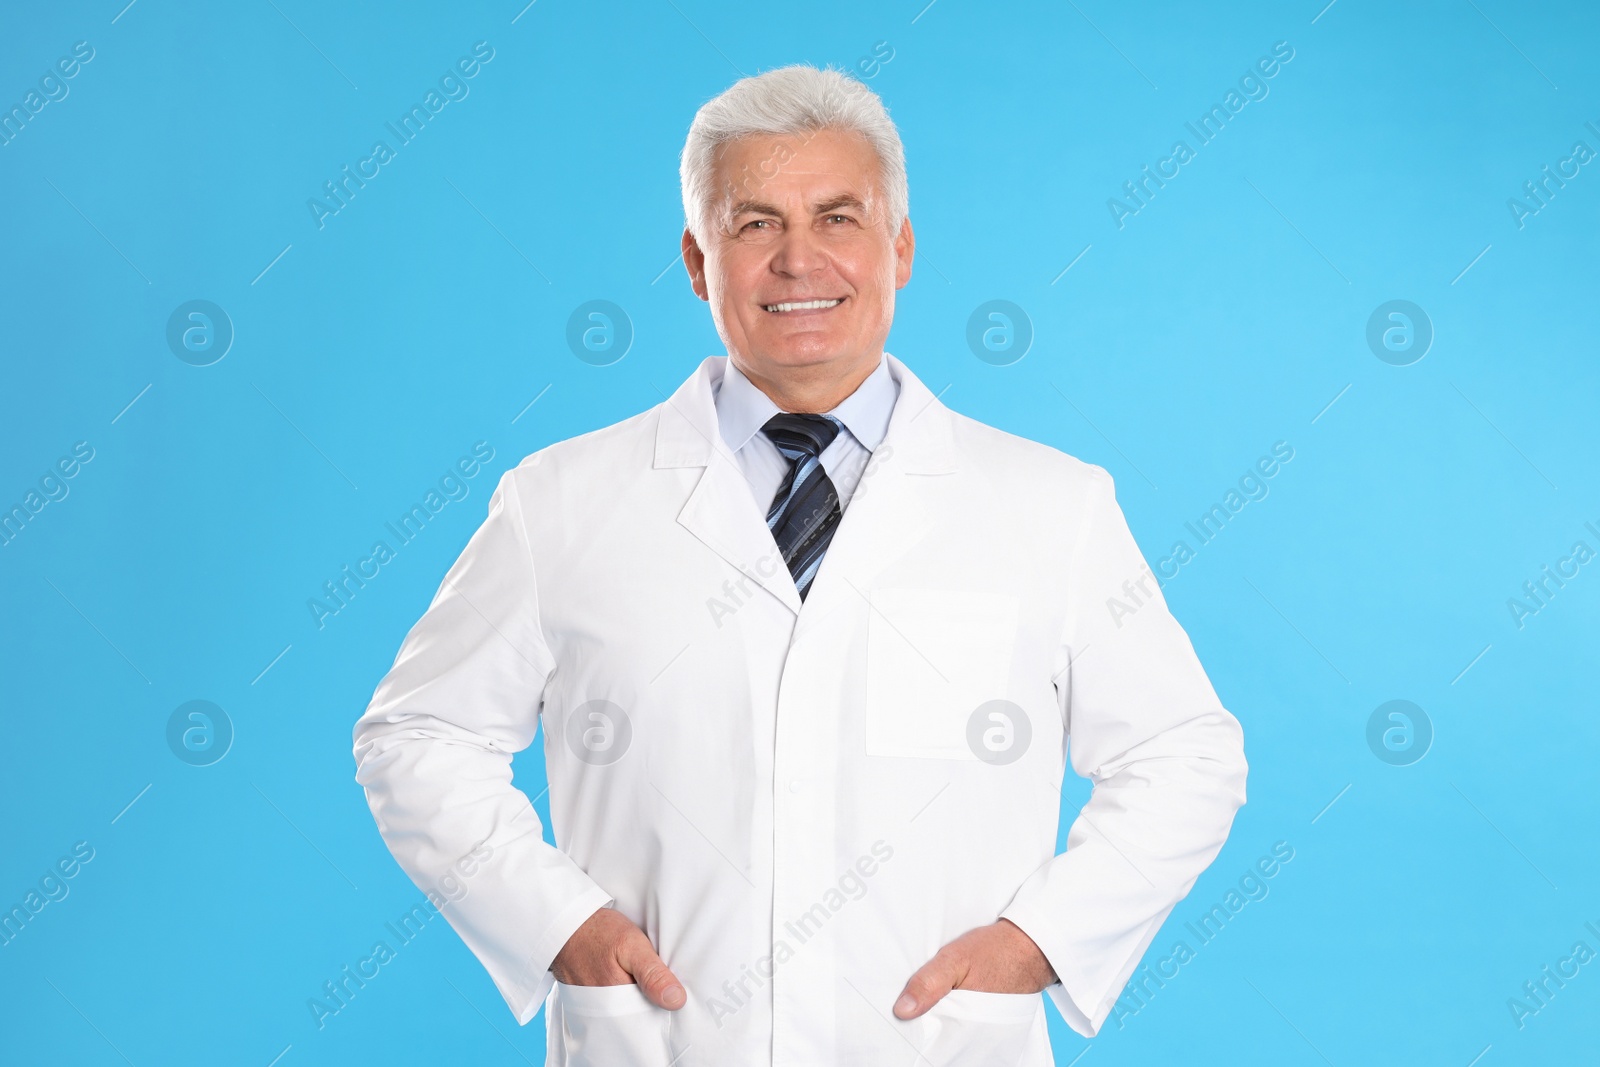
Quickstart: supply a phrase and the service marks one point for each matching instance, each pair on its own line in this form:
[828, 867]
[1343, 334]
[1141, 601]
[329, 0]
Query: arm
[433, 752]
[1167, 763]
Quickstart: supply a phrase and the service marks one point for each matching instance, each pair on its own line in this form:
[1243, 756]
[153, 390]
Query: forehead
[807, 165]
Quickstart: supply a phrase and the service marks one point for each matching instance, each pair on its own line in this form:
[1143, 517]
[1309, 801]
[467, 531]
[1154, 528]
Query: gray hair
[790, 100]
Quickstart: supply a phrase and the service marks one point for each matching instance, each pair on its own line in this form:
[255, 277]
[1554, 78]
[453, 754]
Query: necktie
[805, 511]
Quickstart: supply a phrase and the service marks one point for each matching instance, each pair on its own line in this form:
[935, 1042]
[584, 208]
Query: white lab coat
[800, 804]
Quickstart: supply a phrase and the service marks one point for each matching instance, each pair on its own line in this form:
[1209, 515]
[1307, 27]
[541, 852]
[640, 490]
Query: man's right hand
[609, 949]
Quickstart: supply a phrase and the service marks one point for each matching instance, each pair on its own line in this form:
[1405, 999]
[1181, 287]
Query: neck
[810, 390]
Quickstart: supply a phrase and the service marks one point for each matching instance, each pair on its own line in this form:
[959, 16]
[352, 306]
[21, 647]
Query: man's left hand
[998, 958]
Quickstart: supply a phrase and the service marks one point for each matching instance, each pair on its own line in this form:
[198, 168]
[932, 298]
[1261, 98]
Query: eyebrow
[843, 200]
[833, 203]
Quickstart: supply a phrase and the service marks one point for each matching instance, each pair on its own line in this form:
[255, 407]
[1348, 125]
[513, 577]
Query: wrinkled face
[799, 266]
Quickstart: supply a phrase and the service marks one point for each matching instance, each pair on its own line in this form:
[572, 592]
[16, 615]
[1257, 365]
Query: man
[808, 647]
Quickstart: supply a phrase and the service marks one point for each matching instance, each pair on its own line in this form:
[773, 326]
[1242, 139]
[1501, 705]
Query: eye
[757, 222]
[840, 218]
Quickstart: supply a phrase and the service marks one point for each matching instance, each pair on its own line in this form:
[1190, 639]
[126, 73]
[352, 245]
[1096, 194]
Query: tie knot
[800, 436]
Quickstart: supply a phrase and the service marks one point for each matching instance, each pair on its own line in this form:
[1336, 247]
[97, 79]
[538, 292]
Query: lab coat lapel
[720, 511]
[891, 509]
[888, 514]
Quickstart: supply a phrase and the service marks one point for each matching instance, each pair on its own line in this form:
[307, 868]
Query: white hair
[790, 100]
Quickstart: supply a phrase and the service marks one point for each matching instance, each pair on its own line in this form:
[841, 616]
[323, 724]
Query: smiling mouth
[802, 305]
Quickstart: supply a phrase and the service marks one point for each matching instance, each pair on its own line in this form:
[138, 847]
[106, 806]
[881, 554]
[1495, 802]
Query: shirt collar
[742, 409]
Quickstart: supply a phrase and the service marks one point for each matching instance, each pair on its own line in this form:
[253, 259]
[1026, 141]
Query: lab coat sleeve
[1167, 763]
[433, 753]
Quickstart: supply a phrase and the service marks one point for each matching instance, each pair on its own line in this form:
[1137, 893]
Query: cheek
[736, 272]
[870, 269]
[729, 289]
[731, 293]
[716, 280]
[874, 282]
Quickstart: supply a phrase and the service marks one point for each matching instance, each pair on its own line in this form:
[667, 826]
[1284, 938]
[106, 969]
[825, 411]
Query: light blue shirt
[742, 409]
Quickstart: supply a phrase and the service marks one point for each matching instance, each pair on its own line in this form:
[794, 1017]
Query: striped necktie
[806, 510]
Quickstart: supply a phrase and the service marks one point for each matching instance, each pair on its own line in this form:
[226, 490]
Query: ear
[694, 260]
[905, 250]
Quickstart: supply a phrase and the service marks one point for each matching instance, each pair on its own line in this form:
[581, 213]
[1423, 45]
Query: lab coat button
[794, 785]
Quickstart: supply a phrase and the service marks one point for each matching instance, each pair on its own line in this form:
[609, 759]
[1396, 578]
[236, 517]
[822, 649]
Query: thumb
[659, 985]
[928, 986]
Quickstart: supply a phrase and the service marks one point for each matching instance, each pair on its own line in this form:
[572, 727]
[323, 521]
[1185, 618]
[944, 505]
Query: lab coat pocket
[610, 1025]
[933, 657]
[969, 1028]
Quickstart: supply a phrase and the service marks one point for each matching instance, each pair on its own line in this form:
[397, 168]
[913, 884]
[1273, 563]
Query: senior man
[809, 649]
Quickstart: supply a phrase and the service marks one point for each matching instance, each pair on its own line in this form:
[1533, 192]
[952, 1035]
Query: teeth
[803, 305]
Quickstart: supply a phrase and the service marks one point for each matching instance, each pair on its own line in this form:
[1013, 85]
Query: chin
[803, 352]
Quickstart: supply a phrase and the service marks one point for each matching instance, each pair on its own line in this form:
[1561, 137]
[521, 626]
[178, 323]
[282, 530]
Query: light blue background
[1228, 314]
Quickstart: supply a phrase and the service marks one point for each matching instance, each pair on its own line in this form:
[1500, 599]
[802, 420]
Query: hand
[998, 958]
[609, 949]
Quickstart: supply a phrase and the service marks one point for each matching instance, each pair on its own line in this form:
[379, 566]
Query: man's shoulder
[602, 451]
[1001, 454]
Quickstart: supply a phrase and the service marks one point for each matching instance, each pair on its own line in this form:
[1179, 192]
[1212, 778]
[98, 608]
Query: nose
[799, 253]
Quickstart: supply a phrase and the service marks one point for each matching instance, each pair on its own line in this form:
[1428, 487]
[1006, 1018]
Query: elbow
[363, 739]
[1235, 769]
[1222, 763]
[373, 741]
[1241, 772]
